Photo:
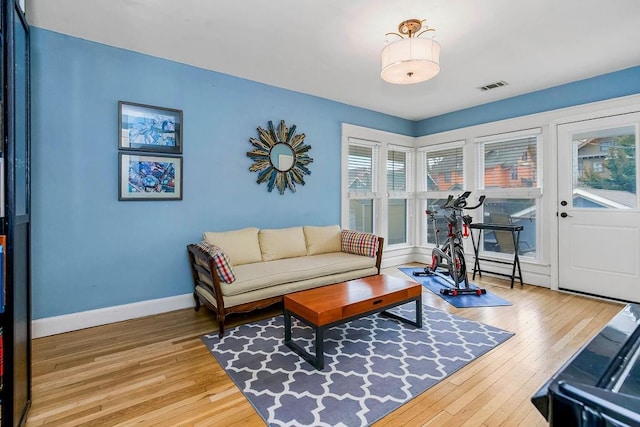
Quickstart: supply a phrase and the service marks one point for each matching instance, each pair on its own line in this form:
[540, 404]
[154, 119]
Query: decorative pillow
[220, 260]
[359, 243]
[241, 246]
[321, 240]
[282, 243]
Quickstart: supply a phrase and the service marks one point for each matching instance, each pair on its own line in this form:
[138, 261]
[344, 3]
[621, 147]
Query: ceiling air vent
[493, 85]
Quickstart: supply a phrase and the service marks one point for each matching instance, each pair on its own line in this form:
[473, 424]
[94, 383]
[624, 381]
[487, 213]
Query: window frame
[423, 193]
[408, 194]
[535, 192]
[357, 135]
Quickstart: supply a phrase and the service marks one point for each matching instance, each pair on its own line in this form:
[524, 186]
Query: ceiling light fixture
[411, 59]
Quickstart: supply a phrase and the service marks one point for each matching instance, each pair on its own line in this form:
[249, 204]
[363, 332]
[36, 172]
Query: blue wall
[607, 86]
[92, 251]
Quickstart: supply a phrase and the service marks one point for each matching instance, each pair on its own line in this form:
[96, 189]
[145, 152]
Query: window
[378, 184]
[361, 185]
[509, 177]
[399, 180]
[441, 168]
[597, 167]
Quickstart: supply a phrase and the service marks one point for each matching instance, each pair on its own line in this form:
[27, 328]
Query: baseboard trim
[86, 319]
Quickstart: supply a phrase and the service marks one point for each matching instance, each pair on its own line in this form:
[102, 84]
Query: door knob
[564, 214]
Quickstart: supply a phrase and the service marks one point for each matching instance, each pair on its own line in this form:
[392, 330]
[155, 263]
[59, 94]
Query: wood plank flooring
[156, 371]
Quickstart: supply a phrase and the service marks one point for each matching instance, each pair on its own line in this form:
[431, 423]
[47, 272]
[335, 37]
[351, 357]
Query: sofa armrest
[203, 264]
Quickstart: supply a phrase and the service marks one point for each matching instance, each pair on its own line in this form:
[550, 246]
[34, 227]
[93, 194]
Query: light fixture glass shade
[410, 60]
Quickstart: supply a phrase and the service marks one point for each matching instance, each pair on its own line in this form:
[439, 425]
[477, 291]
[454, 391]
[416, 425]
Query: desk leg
[476, 254]
[516, 260]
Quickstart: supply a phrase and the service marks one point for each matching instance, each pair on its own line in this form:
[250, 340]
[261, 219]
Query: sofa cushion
[282, 243]
[251, 277]
[359, 243]
[287, 288]
[321, 240]
[220, 260]
[242, 246]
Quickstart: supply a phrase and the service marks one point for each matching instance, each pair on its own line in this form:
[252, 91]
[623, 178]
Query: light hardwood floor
[156, 371]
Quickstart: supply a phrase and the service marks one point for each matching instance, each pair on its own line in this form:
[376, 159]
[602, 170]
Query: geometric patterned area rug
[373, 365]
[434, 283]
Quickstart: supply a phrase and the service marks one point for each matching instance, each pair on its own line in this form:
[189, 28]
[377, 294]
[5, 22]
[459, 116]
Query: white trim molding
[103, 316]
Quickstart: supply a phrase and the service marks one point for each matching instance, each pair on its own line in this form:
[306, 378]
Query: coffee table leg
[287, 327]
[419, 312]
[418, 321]
[319, 348]
[316, 361]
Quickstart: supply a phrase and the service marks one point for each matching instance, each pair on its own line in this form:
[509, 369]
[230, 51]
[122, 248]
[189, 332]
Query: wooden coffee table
[327, 306]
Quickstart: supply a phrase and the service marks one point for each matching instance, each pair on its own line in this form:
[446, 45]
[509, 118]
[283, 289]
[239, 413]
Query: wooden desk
[515, 233]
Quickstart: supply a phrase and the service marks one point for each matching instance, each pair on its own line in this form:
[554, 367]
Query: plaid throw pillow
[359, 243]
[220, 260]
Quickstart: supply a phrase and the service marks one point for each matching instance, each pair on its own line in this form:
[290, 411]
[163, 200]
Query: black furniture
[515, 233]
[15, 216]
[600, 384]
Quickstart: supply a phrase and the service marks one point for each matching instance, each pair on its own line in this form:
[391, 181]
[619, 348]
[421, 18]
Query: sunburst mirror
[280, 157]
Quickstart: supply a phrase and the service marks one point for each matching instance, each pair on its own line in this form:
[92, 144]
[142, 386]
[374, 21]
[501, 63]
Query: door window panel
[604, 169]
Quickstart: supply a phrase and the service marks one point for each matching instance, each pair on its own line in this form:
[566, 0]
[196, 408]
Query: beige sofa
[243, 270]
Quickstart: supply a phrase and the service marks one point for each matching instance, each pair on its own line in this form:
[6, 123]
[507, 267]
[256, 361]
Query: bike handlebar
[461, 202]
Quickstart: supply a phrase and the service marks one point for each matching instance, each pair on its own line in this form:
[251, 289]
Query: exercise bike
[447, 261]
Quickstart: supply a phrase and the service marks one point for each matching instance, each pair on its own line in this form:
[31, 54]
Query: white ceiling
[331, 48]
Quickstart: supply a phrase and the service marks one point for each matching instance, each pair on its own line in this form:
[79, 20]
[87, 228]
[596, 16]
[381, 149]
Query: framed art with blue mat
[373, 365]
[435, 283]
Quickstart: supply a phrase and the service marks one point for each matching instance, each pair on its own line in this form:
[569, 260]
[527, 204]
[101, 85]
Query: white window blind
[362, 166]
[444, 169]
[399, 169]
[511, 163]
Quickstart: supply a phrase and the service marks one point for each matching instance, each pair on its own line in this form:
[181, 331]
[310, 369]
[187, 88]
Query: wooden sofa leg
[220, 326]
[197, 298]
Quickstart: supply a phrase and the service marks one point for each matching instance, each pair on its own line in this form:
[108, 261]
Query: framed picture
[148, 128]
[149, 177]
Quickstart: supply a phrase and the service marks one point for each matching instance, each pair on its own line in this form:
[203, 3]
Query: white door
[598, 209]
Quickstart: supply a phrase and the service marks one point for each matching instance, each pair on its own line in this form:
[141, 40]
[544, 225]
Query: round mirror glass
[282, 157]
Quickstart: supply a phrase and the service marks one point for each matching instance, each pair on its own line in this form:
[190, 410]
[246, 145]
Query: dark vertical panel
[16, 392]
